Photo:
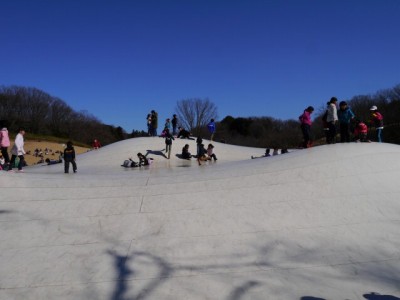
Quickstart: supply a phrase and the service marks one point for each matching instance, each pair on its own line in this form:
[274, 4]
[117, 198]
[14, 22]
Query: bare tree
[194, 114]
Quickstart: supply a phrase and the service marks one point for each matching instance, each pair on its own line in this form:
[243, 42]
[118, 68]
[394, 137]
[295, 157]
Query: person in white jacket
[332, 119]
[18, 150]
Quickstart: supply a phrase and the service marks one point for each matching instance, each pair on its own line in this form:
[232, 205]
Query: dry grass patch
[31, 145]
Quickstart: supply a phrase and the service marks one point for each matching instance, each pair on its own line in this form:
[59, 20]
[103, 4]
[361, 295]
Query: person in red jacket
[96, 144]
[361, 132]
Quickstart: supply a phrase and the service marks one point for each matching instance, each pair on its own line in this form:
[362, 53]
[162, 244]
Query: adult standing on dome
[332, 119]
[154, 122]
[174, 123]
[211, 128]
[345, 116]
[18, 150]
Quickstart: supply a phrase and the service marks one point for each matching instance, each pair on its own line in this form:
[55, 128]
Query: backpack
[379, 116]
[168, 140]
[126, 163]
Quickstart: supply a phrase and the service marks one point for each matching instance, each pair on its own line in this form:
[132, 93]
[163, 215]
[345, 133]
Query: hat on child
[373, 108]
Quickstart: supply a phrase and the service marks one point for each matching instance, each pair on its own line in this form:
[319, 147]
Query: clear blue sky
[120, 59]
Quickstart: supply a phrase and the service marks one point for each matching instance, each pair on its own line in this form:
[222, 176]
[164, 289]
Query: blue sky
[120, 59]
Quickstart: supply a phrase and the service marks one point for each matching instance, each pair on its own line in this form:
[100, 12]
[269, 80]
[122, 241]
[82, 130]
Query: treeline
[43, 114]
[259, 132]
[270, 132]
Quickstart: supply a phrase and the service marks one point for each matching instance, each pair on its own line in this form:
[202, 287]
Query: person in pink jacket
[305, 120]
[4, 144]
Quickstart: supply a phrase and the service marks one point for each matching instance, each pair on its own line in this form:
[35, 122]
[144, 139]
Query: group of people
[274, 152]
[18, 152]
[347, 121]
[152, 123]
[171, 131]
[172, 126]
[202, 155]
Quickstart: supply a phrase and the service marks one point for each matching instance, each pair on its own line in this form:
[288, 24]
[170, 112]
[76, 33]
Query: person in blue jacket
[211, 128]
[345, 116]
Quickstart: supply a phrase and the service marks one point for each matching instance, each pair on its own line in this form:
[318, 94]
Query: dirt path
[53, 150]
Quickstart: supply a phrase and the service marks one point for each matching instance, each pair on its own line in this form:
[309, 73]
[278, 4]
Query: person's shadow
[376, 296]
[180, 156]
[156, 152]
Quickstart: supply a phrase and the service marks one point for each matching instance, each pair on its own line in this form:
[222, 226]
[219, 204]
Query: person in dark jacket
[143, 160]
[174, 123]
[345, 116]
[69, 157]
[185, 152]
[202, 155]
[183, 134]
[168, 142]
[199, 142]
[154, 122]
